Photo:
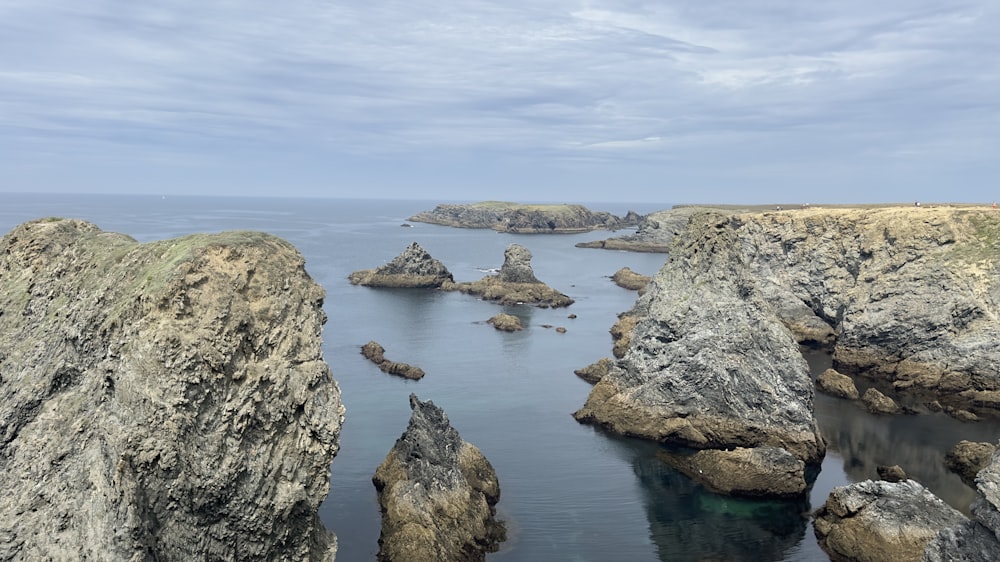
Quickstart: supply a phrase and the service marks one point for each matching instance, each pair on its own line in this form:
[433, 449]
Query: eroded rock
[166, 400]
[437, 494]
[967, 458]
[628, 279]
[977, 540]
[769, 472]
[514, 284]
[836, 384]
[506, 323]
[374, 352]
[414, 268]
[594, 372]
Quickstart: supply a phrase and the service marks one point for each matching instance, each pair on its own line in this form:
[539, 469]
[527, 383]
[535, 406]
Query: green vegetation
[984, 242]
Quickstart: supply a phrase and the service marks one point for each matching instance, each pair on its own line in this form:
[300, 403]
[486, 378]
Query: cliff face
[525, 219]
[164, 401]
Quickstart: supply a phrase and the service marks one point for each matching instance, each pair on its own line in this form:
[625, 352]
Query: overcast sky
[549, 100]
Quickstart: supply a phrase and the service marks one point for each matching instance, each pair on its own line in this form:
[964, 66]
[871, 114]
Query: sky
[549, 100]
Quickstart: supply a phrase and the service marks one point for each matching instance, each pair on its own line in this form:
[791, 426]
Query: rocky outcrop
[836, 384]
[594, 372]
[878, 521]
[437, 493]
[759, 472]
[166, 400]
[506, 323]
[525, 219]
[709, 366]
[967, 458]
[515, 283]
[628, 279]
[374, 352]
[414, 268]
[655, 232]
[977, 540]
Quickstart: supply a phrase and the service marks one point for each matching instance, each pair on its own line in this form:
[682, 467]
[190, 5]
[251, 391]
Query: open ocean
[568, 492]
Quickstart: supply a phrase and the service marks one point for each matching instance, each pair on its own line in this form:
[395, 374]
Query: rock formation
[977, 540]
[967, 458]
[628, 279]
[766, 472]
[836, 384]
[437, 493]
[414, 268]
[506, 323]
[515, 283]
[878, 403]
[525, 219]
[655, 233]
[878, 521]
[166, 400]
[374, 352]
[594, 372]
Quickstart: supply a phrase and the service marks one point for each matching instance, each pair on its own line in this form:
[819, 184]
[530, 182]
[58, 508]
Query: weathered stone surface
[628, 279]
[506, 323]
[166, 400]
[967, 458]
[894, 473]
[595, 371]
[414, 268]
[836, 384]
[438, 494]
[621, 334]
[514, 284]
[374, 352]
[769, 472]
[878, 403]
[977, 540]
[708, 365]
[655, 233]
[878, 521]
[525, 219]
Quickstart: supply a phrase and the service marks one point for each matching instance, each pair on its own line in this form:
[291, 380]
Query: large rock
[878, 521]
[525, 219]
[628, 279]
[164, 401]
[708, 365]
[374, 352]
[767, 472]
[437, 493]
[655, 232]
[977, 540]
[967, 458]
[414, 268]
[514, 284]
[836, 384]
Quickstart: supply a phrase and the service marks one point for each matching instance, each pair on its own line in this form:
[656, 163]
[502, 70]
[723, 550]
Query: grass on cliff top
[506, 205]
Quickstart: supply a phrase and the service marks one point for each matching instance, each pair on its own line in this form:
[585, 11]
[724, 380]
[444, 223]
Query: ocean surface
[568, 492]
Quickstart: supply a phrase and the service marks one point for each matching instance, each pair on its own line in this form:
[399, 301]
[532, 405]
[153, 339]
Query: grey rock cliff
[437, 494]
[655, 232]
[161, 401]
[525, 219]
[414, 268]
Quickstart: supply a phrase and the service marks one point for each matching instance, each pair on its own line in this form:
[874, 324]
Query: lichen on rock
[166, 400]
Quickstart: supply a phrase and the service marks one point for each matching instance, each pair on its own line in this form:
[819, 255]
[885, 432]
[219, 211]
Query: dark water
[569, 492]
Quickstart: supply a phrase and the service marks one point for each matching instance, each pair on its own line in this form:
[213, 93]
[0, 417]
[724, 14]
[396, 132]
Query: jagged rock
[437, 493]
[414, 268]
[506, 323]
[595, 371]
[977, 540]
[374, 352]
[894, 473]
[770, 472]
[878, 403]
[708, 365]
[835, 384]
[621, 334]
[628, 279]
[967, 458]
[878, 521]
[655, 233]
[525, 219]
[515, 283]
[166, 400]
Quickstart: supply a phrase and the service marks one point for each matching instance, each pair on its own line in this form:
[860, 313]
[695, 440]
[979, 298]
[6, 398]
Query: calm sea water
[569, 492]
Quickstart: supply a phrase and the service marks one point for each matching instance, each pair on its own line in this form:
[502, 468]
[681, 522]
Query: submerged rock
[166, 400]
[414, 268]
[374, 352]
[878, 521]
[437, 493]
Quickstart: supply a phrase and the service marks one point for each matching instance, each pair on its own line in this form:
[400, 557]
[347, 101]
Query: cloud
[620, 83]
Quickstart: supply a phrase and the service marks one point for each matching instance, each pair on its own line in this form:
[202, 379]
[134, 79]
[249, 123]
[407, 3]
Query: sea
[569, 492]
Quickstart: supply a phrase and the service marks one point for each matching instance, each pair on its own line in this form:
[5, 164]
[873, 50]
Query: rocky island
[414, 268]
[437, 493]
[907, 297]
[167, 400]
[654, 234]
[525, 219]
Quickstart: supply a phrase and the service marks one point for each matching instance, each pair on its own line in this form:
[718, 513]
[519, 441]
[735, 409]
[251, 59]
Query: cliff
[525, 219]
[655, 232]
[164, 401]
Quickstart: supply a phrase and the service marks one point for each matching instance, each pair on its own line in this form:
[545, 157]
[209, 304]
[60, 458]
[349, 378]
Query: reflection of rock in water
[916, 443]
[688, 523]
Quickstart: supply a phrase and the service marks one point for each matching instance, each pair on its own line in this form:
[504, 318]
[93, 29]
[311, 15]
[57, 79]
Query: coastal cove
[568, 491]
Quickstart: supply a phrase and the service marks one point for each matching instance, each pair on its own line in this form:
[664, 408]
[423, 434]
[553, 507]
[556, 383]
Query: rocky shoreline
[521, 218]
